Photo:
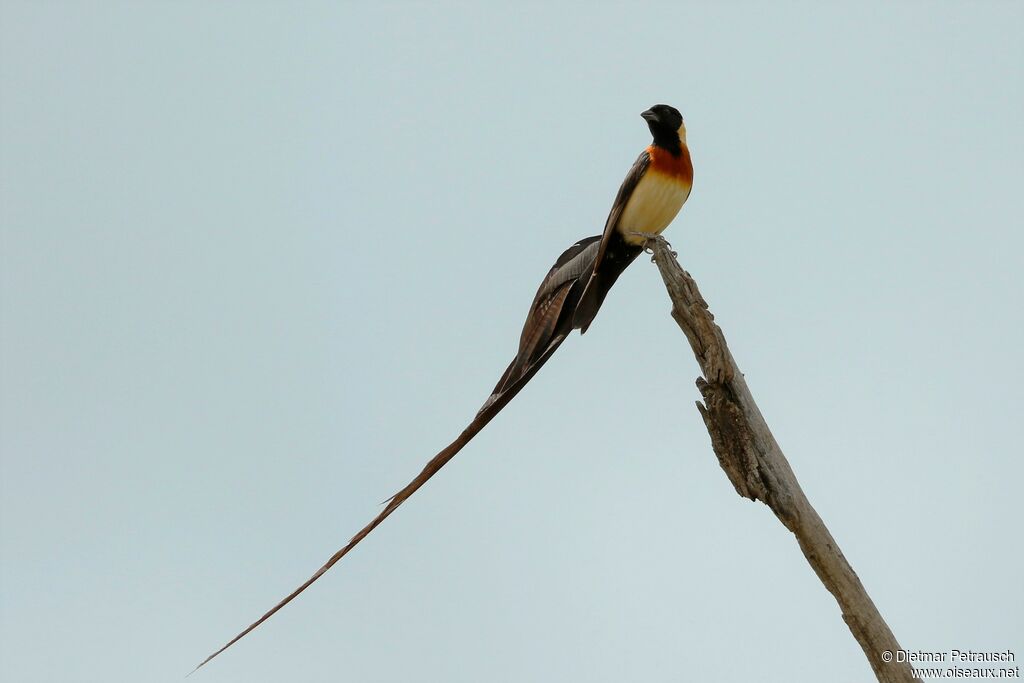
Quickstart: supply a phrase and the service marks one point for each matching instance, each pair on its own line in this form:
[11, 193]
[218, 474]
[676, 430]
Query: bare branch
[758, 470]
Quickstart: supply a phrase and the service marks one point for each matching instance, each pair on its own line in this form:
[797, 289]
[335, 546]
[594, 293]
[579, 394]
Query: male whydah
[570, 295]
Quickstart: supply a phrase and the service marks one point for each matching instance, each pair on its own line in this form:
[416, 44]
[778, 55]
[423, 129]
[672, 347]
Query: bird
[569, 297]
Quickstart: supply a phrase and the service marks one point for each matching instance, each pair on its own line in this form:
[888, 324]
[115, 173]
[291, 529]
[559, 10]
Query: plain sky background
[261, 261]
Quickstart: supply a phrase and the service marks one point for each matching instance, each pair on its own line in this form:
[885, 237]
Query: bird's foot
[648, 237]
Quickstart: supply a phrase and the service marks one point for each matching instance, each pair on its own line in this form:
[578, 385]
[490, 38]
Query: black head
[666, 124]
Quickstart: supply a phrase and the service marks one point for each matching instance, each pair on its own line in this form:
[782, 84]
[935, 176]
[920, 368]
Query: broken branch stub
[758, 470]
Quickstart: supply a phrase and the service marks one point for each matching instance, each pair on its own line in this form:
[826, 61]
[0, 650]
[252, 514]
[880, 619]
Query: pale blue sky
[260, 261]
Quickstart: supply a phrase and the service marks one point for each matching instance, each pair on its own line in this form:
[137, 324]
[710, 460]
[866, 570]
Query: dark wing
[599, 282]
[548, 324]
[625, 192]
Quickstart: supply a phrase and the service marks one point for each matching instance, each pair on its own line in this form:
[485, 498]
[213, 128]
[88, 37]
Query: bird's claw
[653, 237]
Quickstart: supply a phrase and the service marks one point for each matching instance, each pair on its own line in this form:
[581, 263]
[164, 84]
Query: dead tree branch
[758, 470]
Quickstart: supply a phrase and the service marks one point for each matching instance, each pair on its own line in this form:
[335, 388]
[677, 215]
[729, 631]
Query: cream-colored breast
[652, 206]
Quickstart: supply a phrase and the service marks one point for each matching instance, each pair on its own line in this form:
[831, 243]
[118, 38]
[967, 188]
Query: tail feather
[492, 407]
[549, 322]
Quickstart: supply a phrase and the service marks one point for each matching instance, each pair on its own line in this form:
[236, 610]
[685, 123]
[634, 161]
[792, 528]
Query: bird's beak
[649, 116]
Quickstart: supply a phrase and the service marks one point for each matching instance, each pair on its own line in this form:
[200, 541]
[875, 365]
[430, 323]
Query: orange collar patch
[663, 161]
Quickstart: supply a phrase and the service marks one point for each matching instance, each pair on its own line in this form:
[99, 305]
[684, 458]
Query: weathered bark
[758, 470]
